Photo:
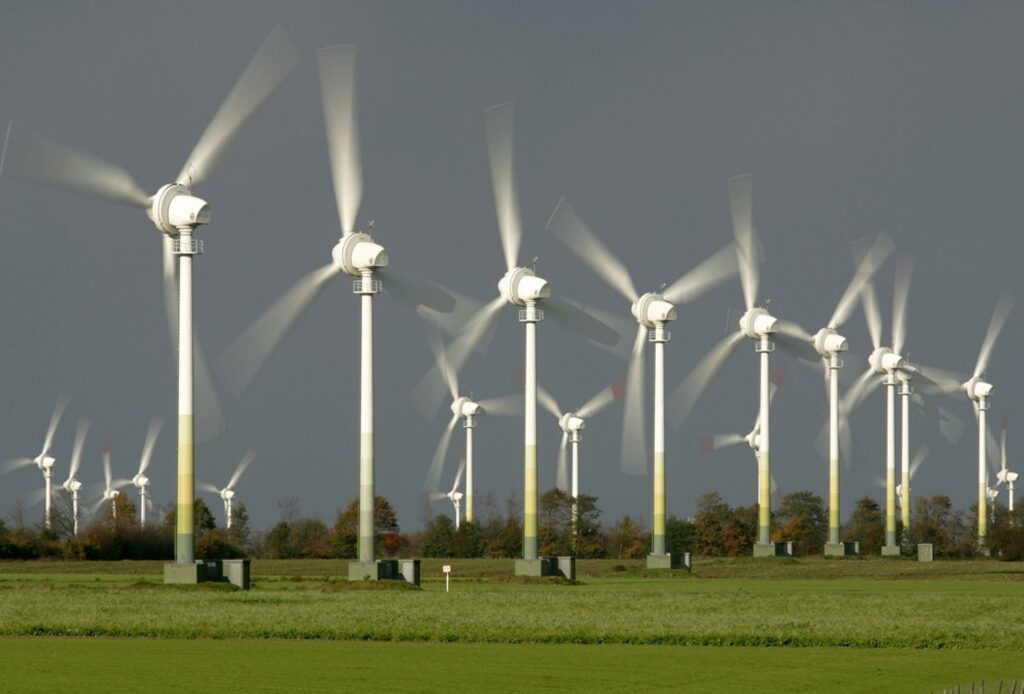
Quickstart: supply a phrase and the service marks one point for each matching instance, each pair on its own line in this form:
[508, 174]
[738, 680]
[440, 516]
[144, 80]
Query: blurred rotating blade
[429, 392]
[940, 380]
[716, 269]
[741, 204]
[995, 326]
[13, 464]
[794, 339]
[919, 457]
[107, 473]
[571, 230]
[433, 480]
[244, 357]
[634, 439]
[207, 487]
[872, 315]
[500, 147]
[33, 497]
[155, 424]
[562, 478]
[274, 59]
[415, 291]
[458, 475]
[576, 319]
[991, 450]
[900, 294]
[548, 402]
[604, 397]
[861, 388]
[507, 406]
[242, 465]
[51, 429]
[872, 259]
[44, 161]
[76, 452]
[437, 348]
[338, 89]
[713, 443]
[686, 395]
[208, 413]
[452, 322]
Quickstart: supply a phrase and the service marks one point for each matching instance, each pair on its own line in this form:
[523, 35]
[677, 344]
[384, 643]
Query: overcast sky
[854, 117]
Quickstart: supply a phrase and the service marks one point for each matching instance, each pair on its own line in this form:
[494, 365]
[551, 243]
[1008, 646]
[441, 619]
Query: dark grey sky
[854, 117]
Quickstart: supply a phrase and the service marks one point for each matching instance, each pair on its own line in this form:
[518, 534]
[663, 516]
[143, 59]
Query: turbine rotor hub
[977, 389]
[828, 342]
[652, 309]
[45, 462]
[174, 206]
[140, 481]
[464, 407]
[357, 252]
[227, 494]
[757, 323]
[520, 285]
[884, 360]
[570, 423]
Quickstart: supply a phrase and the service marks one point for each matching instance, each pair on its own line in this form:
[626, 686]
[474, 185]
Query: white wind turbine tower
[227, 493]
[140, 480]
[572, 423]
[177, 215]
[1005, 476]
[45, 460]
[455, 496]
[357, 255]
[652, 312]
[71, 485]
[521, 287]
[465, 408]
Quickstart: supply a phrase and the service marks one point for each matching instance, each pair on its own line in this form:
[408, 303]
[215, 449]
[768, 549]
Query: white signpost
[447, 568]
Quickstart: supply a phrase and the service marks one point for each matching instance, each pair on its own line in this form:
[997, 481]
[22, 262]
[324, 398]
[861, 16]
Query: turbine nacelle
[111, 494]
[828, 342]
[520, 286]
[977, 389]
[757, 323]
[570, 423]
[753, 440]
[884, 360]
[174, 207]
[72, 485]
[357, 252]
[464, 407]
[651, 309]
[227, 494]
[140, 481]
[45, 462]
[456, 497]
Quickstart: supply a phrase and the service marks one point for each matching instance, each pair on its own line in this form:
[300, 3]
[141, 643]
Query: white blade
[500, 143]
[274, 59]
[946, 381]
[119, 483]
[209, 415]
[413, 290]
[792, 337]
[872, 315]
[605, 397]
[458, 475]
[682, 401]
[437, 496]
[572, 231]
[429, 392]
[507, 406]
[451, 323]
[244, 357]
[1002, 445]
[562, 474]
[13, 464]
[33, 497]
[741, 202]
[576, 319]
[900, 293]
[155, 424]
[634, 439]
[999, 316]
[548, 402]
[76, 451]
[713, 443]
[45, 161]
[873, 258]
[919, 457]
[860, 389]
[207, 487]
[991, 450]
[433, 481]
[242, 465]
[716, 269]
[437, 348]
[107, 475]
[51, 430]
[338, 88]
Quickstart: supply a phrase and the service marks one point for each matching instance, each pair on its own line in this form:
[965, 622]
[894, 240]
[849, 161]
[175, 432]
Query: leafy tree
[803, 520]
[680, 535]
[712, 516]
[438, 539]
[238, 533]
[466, 541]
[345, 534]
[279, 542]
[202, 517]
[125, 508]
[215, 544]
[740, 531]
[1005, 537]
[590, 543]
[867, 526]
[627, 539]
[310, 538]
[554, 526]
[508, 541]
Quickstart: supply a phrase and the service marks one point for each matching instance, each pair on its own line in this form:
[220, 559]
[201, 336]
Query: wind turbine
[758, 325]
[71, 485]
[572, 423]
[521, 287]
[111, 487]
[177, 215]
[455, 496]
[140, 480]
[465, 408]
[652, 311]
[1005, 476]
[227, 494]
[45, 460]
[903, 490]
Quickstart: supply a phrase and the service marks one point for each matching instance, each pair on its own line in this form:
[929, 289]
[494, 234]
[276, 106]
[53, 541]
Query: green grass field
[775, 625]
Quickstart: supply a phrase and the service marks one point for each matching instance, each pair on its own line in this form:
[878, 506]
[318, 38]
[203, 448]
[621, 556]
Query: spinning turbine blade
[500, 138]
[338, 89]
[741, 202]
[548, 402]
[47, 162]
[606, 396]
[274, 59]
[562, 475]
[244, 357]
[682, 401]
[15, 464]
[441, 360]
[713, 443]
[208, 413]
[900, 293]
[415, 291]
[207, 487]
[433, 481]
[51, 430]
[577, 320]
[872, 315]
[107, 475]
[999, 316]
[76, 451]
[458, 475]
[242, 465]
[634, 441]
[797, 341]
[572, 231]
[716, 269]
[873, 258]
[508, 406]
[919, 457]
[860, 389]
[155, 424]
